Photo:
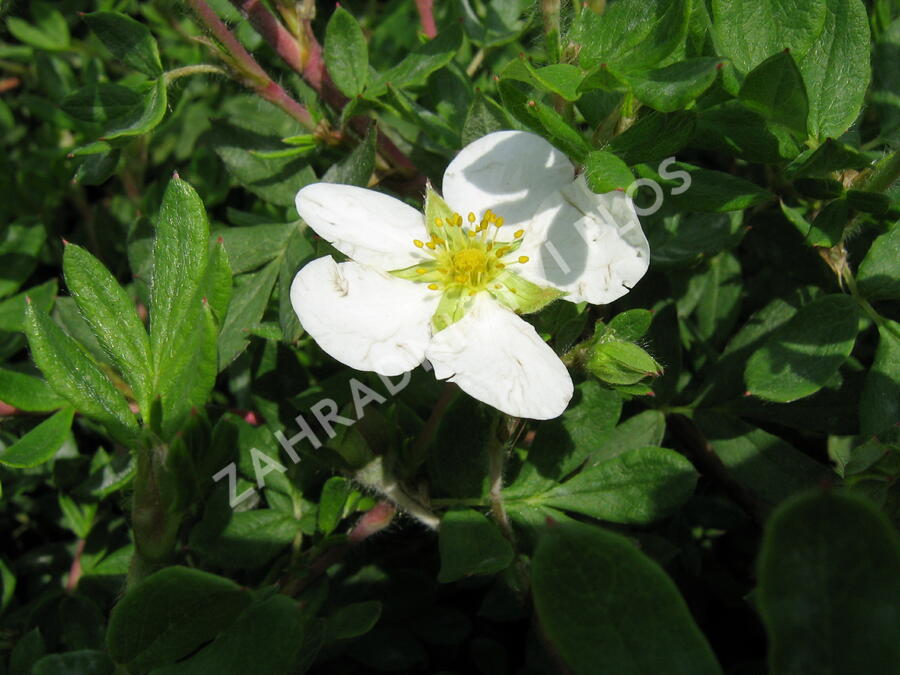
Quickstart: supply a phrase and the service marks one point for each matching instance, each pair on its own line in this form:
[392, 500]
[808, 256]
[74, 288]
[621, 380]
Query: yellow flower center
[467, 255]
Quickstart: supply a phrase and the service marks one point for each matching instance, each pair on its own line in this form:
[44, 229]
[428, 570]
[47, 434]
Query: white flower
[518, 229]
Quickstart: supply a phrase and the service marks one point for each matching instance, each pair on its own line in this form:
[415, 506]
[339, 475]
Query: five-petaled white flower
[519, 228]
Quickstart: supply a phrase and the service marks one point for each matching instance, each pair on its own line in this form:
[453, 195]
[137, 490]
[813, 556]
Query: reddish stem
[255, 77]
[373, 521]
[426, 15]
[311, 67]
[75, 569]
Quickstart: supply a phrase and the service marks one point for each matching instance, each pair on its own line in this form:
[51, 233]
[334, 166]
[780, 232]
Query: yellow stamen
[523, 258]
[418, 243]
[499, 222]
[519, 233]
[471, 217]
[421, 270]
[433, 287]
[438, 222]
[430, 245]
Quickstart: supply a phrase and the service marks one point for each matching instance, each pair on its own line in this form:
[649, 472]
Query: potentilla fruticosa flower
[516, 229]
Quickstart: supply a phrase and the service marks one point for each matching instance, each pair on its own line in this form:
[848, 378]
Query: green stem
[200, 68]
[884, 175]
[865, 305]
[155, 527]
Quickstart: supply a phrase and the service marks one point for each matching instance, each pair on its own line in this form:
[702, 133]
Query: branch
[253, 75]
[426, 15]
[303, 53]
[373, 521]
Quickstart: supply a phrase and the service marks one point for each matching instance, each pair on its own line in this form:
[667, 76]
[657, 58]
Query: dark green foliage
[191, 485]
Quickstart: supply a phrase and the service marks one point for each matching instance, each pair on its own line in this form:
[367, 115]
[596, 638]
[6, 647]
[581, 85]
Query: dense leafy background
[735, 512]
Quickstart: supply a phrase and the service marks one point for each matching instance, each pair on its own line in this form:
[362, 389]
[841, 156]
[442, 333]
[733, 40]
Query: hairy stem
[373, 521]
[250, 73]
[154, 526]
[426, 16]
[378, 478]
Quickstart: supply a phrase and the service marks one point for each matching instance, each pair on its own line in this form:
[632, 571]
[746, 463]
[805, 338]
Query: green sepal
[436, 207]
[520, 295]
[411, 274]
[454, 304]
[622, 363]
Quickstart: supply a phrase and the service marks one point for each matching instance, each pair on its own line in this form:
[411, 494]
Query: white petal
[509, 172]
[368, 226]
[361, 317]
[496, 357]
[589, 245]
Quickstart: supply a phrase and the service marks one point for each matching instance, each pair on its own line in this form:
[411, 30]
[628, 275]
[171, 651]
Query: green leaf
[253, 246]
[129, 41]
[418, 65]
[297, 252]
[457, 462]
[879, 404]
[770, 467]
[180, 253]
[733, 129]
[605, 172]
[484, 117]
[638, 486]
[111, 314]
[268, 637]
[836, 69]
[827, 227]
[169, 615]
[243, 539]
[632, 35]
[218, 285]
[76, 376]
[96, 169]
[471, 545]
[41, 443]
[877, 276]
[346, 53]
[705, 189]
[631, 324]
[50, 31]
[100, 102]
[192, 373]
[654, 137]
[353, 620]
[78, 518]
[27, 393]
[775, 90]
[331, 503]
[600, 601]
[803, 355]
[830, 156]
[561, 79]
[81, 662]
[886, 85]
[357, 167]
[643, 430]
[142, 118]
[677, 85]
[19, 248]
[234, 141]
[748, 33]
[560, 446]
[12, 310]
[621, 363]
[251, 296]
[828, 586]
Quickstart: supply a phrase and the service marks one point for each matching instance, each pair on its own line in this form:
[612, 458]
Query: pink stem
[426, 15]
[312, 69]
[258, 79]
